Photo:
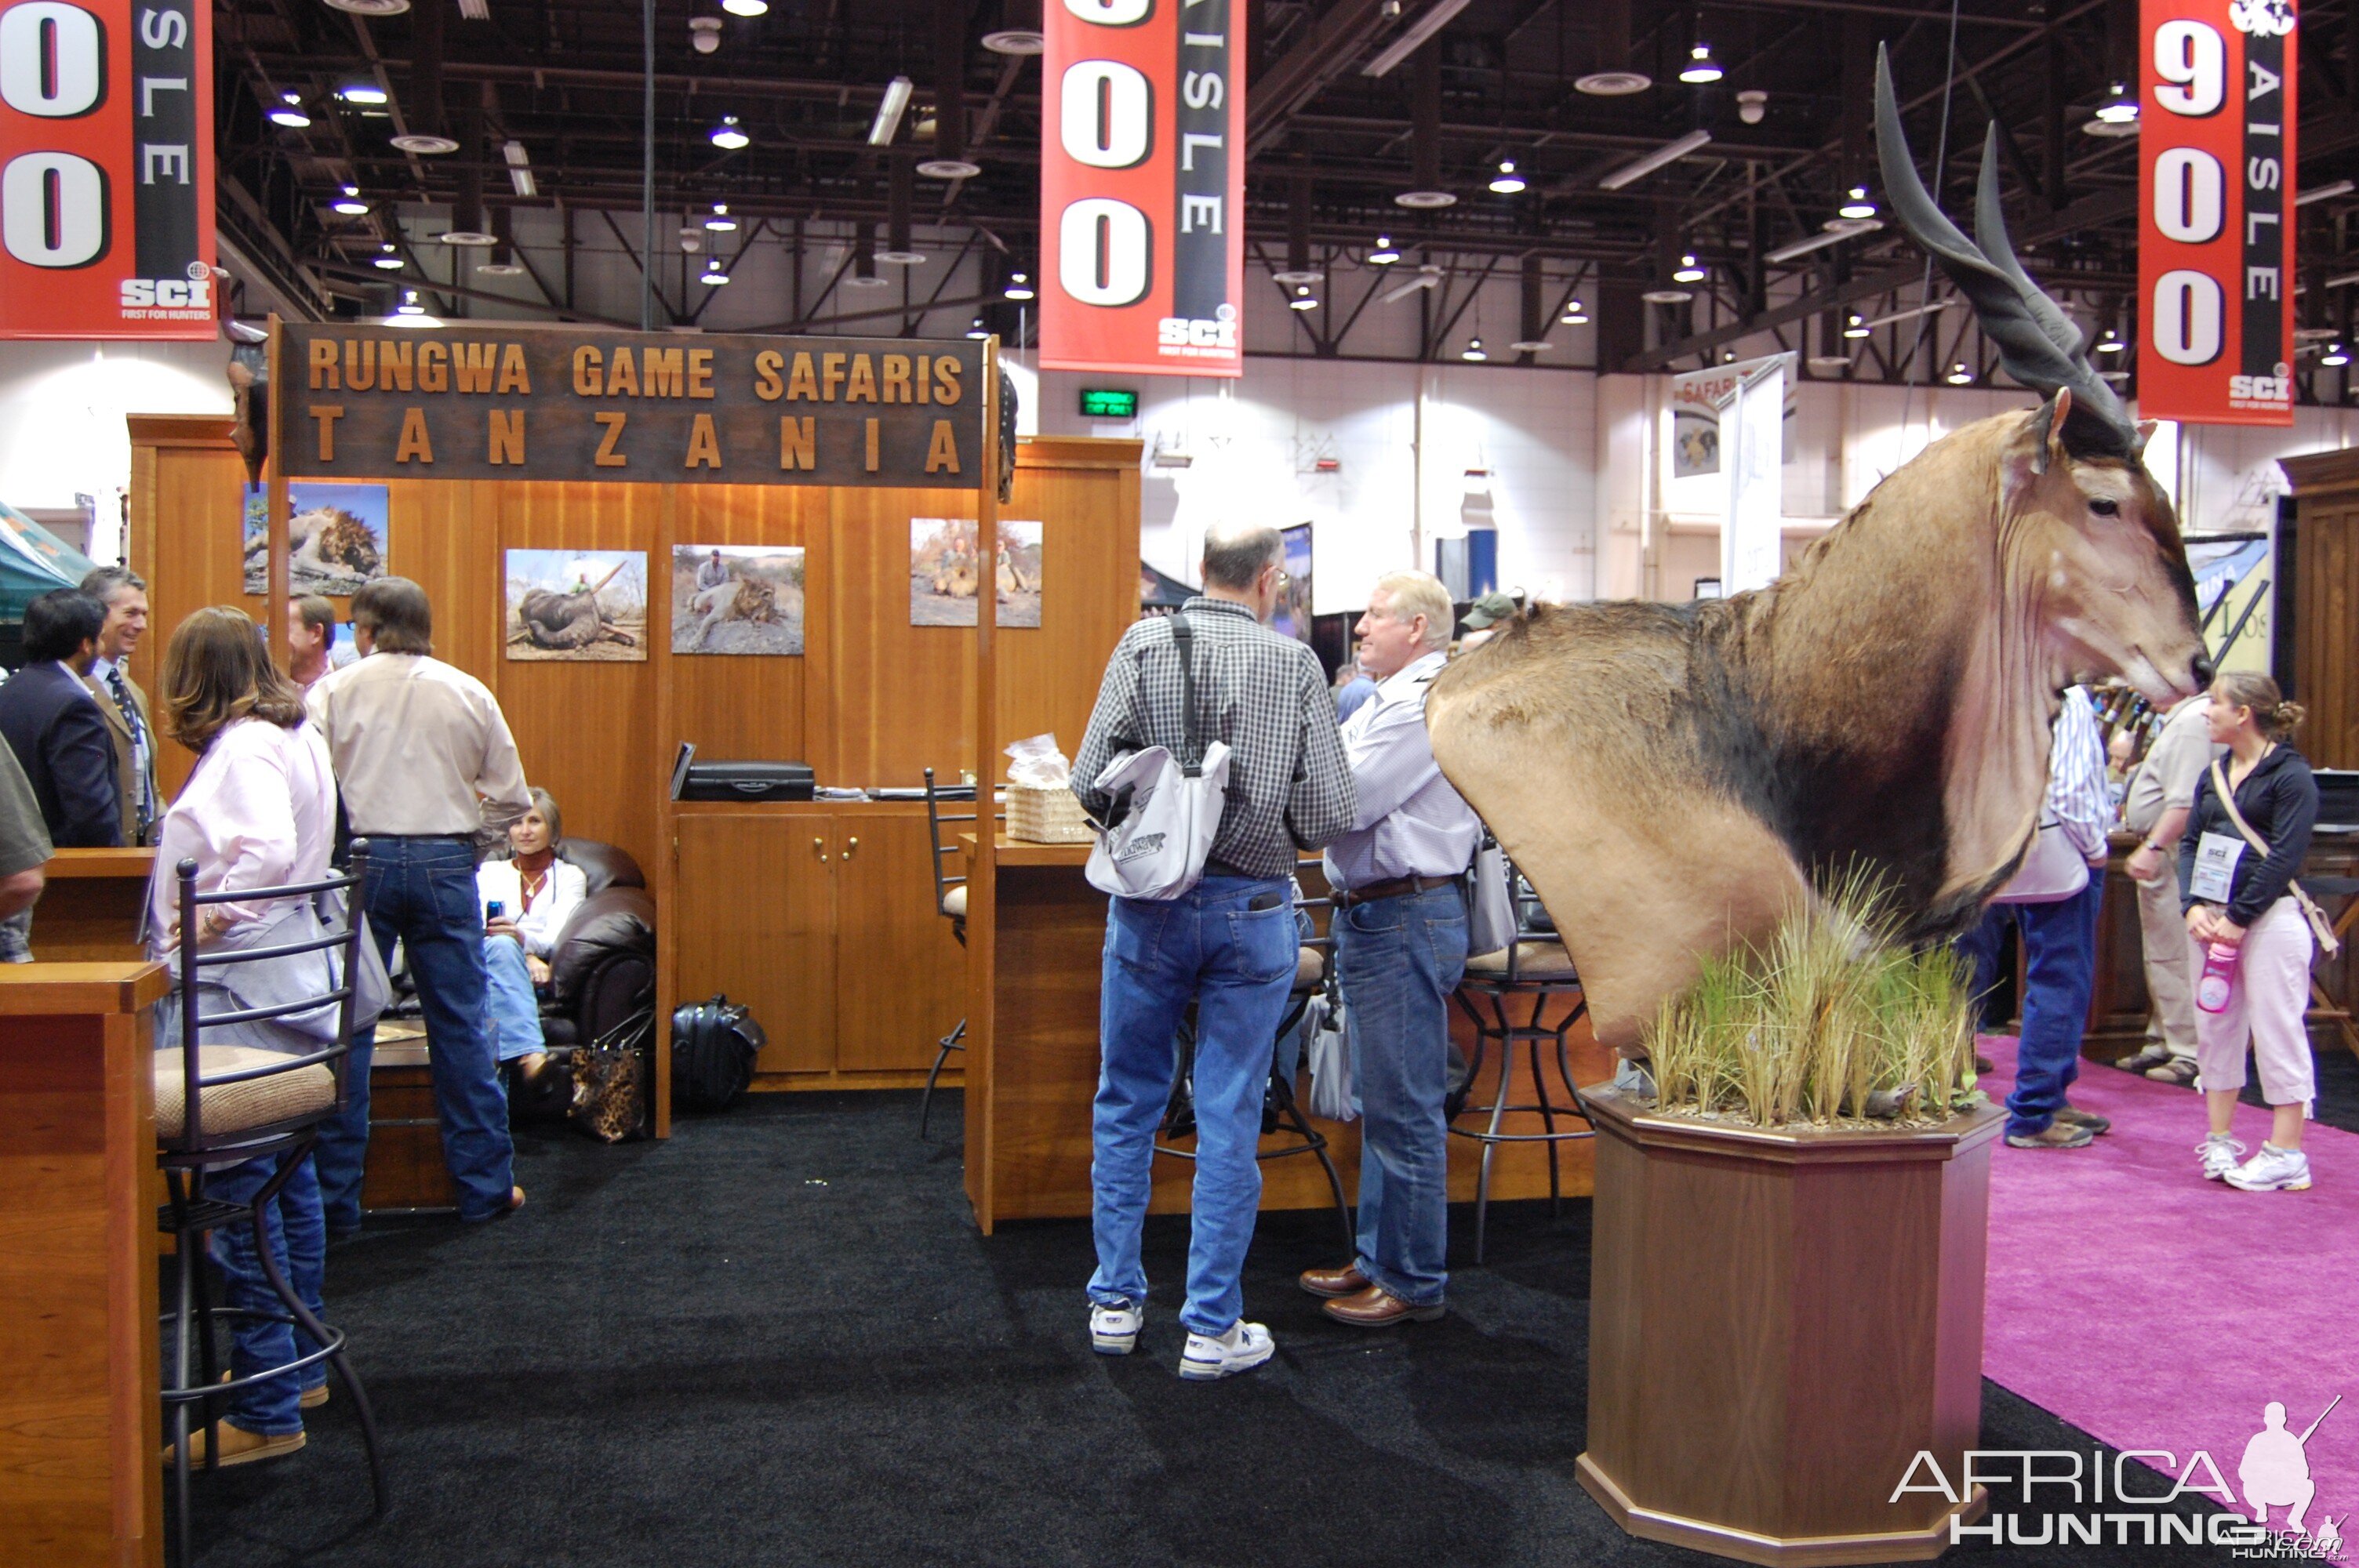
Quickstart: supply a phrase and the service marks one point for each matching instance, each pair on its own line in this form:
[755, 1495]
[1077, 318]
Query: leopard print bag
[611, 1076]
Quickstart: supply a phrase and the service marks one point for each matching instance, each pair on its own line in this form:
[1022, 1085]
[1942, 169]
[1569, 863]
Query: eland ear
[2047, 428]
[2146, 430]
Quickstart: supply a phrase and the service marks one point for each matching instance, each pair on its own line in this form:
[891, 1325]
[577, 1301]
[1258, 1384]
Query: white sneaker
[2221, 1154]
[1243, 1347]
[2273, 1170]
[1114, 1330]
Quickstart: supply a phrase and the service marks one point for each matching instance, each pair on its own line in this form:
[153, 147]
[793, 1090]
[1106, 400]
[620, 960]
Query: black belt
[1399, 887]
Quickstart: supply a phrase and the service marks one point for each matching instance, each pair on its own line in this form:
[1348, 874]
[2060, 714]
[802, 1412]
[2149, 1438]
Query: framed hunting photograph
[335, 537]
[737, 599]
[588, 605]
[943, 575]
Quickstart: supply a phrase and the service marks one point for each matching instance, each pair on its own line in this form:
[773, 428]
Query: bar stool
[1535, 966]
[2326, 1008]
[218, 1106]
[950, 898]
[1314, 973]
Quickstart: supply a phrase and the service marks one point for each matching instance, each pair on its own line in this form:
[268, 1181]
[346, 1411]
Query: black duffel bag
[713, 1045]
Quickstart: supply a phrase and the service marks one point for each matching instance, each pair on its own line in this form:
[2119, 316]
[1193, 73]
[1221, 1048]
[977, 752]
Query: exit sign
[1108, 403]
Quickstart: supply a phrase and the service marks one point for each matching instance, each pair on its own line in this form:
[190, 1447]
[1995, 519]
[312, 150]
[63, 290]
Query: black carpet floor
[779, 1339]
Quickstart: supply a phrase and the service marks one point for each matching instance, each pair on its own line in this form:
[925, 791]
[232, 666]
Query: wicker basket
[1040, 816]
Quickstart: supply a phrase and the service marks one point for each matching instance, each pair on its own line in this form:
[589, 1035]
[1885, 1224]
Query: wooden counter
[89, 911]
[1036, 939]
[80, 1423]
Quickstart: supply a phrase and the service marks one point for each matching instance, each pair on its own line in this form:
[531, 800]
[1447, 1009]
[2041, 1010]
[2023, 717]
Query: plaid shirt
[1288, 783]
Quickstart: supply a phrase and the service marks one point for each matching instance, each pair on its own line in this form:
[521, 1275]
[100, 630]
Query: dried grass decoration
[1834, 1024]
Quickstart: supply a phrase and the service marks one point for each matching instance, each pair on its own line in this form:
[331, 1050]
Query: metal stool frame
[956, 1039]
[189, 1215]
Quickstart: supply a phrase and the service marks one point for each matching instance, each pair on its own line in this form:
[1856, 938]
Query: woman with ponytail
[2235, 880]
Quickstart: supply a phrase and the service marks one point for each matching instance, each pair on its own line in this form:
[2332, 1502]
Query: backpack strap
[2329, 941]
[1191, 762]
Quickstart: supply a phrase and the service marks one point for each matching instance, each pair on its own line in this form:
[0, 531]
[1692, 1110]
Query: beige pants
[2265, 1004]
[2170, 984]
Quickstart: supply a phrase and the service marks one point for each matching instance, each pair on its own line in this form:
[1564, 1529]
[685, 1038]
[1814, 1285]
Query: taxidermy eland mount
[1672, 778]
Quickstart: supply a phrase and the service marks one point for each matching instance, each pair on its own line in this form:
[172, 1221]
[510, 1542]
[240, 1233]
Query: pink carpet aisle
[2156, 1310]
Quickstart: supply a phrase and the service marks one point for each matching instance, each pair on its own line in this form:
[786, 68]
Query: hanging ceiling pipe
[898, 192]
[1425, 193]
[950, 161]
[1298, 267]
[425, 135]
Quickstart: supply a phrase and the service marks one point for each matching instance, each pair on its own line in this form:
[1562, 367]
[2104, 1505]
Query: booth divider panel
[748, 706]
[2327, 628]
[901, 691]
[901, 974]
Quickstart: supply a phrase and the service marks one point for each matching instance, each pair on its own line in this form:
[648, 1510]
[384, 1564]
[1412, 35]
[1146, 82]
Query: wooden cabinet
[821, 920]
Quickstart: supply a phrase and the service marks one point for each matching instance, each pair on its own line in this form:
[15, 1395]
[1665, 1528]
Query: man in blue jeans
[1400, 950]
[2060, 943]
[426, 764]
[1228, 944]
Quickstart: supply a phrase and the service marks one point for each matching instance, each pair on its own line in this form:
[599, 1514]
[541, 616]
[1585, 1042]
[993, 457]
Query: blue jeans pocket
[1263, 944]
[1134, 934]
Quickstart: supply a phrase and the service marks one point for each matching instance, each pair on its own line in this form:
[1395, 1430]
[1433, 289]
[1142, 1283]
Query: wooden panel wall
[2325, 567]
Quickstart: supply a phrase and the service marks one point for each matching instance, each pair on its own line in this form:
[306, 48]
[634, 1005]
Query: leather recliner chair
[602, 966]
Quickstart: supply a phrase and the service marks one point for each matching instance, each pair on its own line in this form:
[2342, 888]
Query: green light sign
[1109, 403]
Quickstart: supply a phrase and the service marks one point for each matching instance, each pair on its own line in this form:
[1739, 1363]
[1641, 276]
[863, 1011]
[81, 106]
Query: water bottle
[2219, 975]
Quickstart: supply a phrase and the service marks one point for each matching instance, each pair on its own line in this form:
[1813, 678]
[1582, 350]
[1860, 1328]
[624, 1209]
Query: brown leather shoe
[1377, 1307]
[239, 1446]
[1346, 1280]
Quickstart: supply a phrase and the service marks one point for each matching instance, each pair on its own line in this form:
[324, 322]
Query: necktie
[130, 710]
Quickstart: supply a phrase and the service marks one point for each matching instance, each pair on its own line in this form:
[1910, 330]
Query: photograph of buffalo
[737, 599]
[577, 604]
[335, 537]
[942, 572]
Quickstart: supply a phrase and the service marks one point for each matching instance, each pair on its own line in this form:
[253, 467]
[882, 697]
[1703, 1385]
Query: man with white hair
[1400, 950]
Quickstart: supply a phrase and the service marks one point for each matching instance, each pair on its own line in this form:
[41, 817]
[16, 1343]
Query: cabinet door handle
[819, 847]
[849, 846]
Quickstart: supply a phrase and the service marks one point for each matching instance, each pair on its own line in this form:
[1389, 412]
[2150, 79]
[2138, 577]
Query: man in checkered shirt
[1228, 944]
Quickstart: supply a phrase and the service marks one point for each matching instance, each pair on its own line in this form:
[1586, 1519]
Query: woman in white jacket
[527, 897]
[258, 811]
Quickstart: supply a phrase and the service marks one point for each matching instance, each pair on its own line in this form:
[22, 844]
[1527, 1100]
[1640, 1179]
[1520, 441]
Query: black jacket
[2279, 799]
[52, 723]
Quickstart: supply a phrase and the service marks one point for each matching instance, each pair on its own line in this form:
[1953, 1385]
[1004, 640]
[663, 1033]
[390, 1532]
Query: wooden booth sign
[499, 401]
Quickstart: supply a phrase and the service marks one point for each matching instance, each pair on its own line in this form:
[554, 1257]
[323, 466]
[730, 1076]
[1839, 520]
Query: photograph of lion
[335, 537]
[577, 604]
[737, 599]
[942, 574]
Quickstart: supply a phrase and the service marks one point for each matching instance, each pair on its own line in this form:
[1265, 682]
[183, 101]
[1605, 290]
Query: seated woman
[536, 894]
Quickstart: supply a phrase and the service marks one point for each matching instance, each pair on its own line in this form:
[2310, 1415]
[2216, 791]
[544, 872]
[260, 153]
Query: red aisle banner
[1142, 187]
[2215, 212]
[106, 168]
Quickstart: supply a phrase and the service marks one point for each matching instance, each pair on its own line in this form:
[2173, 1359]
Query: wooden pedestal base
[1780, 1321]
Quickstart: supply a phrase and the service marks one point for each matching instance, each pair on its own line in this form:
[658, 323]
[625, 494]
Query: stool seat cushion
[249, 1102]
[954, 902]
[1534, 962]
[1309, 967]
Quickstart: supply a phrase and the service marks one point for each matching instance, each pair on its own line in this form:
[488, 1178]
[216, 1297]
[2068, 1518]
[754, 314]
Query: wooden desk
[80, 1422]
[89, 911]
[1036, 940]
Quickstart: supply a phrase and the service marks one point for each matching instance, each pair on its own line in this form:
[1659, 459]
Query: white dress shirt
[540, 918]
[2077, 796]
[1409, 822]
[258, 811]
[421, 749]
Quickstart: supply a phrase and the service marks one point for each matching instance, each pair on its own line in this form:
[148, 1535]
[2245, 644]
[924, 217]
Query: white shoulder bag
[1165, 810]
[2053, 870]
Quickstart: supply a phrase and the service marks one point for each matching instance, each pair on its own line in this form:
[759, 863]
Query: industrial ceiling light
[1910, 314]
[2111, 343]
[1019, 287]
[2120, 107]
[289, 112]
[1015, 41]
[1303, 298]
[728, 136]
[1432, 21]
[476, 10]
[1830, 364]
[712, 275]
[691, 239]
[502, 265]
[721, 222]
[1855, 328]
[388, 260]
[1689, 271]
[1640, 167]
[1506, 182]
[424, 143]
[519, 164]
[704, 34]
[1473, 353]
[2324, 193]
[1384, 254]
[1575, 315]
[1613, 83]
[1701, 67]
[2334, 357]
[350, 203]
[410, 306]
[1667, 296]
[889, 110]
[1425, 201]
[1857, 204]
[367, 93]
[1428, 276]
[746, 7]
[864, 266]
[978, 329]
[369, 7]
[1959, 374]
[1752, 107]
[1834, 230]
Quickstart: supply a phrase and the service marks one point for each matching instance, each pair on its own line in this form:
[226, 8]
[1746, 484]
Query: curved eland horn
[2037, 345]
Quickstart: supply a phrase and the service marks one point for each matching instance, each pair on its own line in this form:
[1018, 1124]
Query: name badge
[2216, 855]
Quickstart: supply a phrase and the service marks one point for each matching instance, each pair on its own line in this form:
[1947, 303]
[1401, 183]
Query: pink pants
[2265, 1004]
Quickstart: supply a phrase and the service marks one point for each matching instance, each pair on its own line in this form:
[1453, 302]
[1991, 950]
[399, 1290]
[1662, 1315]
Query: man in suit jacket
[52, 722]
[125, 707]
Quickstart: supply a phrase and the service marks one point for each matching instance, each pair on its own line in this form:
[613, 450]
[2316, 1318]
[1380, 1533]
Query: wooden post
[274, 608]
[982, 878]
[666, 866]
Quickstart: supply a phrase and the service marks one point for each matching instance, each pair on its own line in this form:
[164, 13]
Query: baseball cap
[1488, 610]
